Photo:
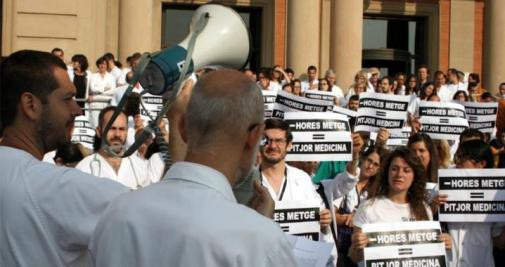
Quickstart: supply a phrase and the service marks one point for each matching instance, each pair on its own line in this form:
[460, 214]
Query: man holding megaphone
[191, 218]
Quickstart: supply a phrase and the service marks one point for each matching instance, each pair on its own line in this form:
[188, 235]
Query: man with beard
[130, 171]
[47, 212]
[284, 182]
[191, 218]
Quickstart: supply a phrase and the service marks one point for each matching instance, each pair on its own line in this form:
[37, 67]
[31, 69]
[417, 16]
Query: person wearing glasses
[192, 218]
[284, 182]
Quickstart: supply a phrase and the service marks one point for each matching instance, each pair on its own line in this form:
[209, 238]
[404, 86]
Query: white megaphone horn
[222, 39]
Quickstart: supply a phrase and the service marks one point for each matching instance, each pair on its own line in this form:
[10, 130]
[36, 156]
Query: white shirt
[382, 209]
[472, 243]
[116, 73]
[47, 212]
[99, 85]
[119, 92]
[298, 187]
[155, 167]
[132, 171]
[191, 218]
[338, 91]
[121, 80]
[306, 85]
[446, 92]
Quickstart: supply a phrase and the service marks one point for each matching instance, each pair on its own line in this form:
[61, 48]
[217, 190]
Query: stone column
[303, 30]
[135, 27]
[494, 41]
[346, 40]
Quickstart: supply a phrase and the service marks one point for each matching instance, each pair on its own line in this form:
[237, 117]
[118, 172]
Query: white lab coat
[47, 212]
[299, 186]
[132, 172]
[191, 218]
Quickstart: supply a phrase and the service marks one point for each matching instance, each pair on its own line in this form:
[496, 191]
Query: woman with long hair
[427, 91]
[411, 85]
[423, 147]
[369, 165]
[397, 195]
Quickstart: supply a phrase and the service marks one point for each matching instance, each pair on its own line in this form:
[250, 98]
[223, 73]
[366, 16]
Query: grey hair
[213, 116]
[329, 72]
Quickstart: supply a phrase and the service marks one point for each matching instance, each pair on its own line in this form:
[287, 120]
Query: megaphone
[223, 40]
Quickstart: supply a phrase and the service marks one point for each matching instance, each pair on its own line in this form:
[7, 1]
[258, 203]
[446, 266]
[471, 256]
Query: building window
[394, 44]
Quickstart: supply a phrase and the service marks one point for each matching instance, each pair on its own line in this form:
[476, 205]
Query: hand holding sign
[324, 219]
[382, 137]
[446, 238]
[357, 145]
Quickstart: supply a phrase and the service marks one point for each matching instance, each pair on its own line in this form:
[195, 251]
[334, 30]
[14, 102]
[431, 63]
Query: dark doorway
[394, 43]
[176, 19]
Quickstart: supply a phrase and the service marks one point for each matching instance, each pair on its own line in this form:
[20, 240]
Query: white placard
[345, 111]
[152, 103]
[397, 138]
[83, 132]
[269, 101]
[319, 136]
[321, 95]
[286, 102]
[381, 111]
[404, 244]
[310, 253]
[474, 195]
[300, 218]
[481, 116]
[442, 120]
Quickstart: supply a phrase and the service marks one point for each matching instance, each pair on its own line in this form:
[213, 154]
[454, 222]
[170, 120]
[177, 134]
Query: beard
[50, 136]
[116, 148]
[271, 159]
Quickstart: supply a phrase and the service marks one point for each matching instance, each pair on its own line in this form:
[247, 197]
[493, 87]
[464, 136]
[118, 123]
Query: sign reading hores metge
[474, 195]
[404, 244]
[381, 111]
[319, 136]
[442, 120]
[300, 218]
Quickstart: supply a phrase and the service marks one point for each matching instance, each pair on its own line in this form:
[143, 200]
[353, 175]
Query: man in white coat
[284, 182]
[47, 212]
[191, 217]
[130, 171]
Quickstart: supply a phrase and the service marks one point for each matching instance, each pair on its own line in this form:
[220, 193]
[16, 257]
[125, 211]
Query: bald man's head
[223, 105]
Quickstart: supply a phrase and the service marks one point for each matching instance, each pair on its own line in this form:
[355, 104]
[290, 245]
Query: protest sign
[300, 218]
[396, 139]
[153, 105]
[345, 111]
[442, 120]
[481, 116]
[321, 95]
[269, 101]
[319, 136]
[286, 102]
[83, 132]
[381, 111]
[474, 195]
[404, 244]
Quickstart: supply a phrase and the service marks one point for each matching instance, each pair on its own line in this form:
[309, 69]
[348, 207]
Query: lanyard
[283, 189]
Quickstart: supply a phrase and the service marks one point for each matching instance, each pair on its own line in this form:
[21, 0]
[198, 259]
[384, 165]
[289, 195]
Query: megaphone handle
[199, 26]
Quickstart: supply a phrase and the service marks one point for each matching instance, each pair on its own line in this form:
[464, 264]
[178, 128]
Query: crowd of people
[55, 212]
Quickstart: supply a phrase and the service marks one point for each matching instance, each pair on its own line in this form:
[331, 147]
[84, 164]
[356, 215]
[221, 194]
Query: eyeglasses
[269, 141]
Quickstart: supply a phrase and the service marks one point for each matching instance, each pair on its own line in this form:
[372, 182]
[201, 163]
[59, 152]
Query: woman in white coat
[101, 90]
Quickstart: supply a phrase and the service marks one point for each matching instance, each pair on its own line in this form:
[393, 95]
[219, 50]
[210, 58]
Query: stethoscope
[97, 161]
